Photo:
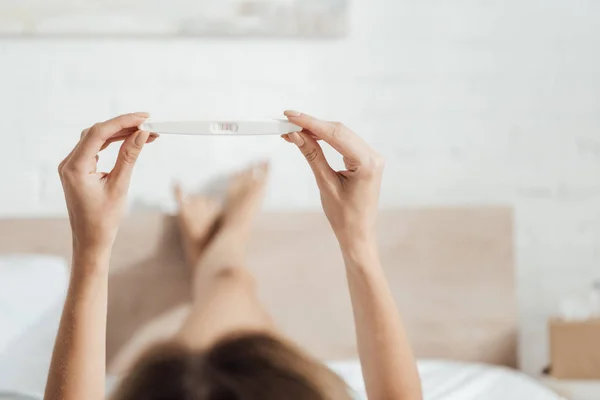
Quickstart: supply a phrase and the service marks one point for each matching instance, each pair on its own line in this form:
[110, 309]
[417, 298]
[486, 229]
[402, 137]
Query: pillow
[24, 364]
[30, 285]
[32, 292]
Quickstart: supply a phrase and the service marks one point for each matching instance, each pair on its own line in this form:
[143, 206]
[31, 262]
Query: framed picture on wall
[234, 18]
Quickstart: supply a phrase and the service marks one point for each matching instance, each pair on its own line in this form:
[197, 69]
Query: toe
[179, 193]
[260, 171]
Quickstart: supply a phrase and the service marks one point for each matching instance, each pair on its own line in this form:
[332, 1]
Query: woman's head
[249, 367]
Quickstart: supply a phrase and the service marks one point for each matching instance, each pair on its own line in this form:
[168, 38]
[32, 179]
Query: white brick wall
[471, 102]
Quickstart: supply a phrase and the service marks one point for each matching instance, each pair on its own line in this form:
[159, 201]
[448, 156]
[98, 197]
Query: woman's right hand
[350, 197]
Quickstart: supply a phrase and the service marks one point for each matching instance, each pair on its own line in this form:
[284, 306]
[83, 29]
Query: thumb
[313, 153]
[128, 155]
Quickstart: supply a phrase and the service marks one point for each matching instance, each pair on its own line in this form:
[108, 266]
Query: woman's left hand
[96, 201]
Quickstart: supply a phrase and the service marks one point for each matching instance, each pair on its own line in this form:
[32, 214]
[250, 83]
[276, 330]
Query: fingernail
[155, 135]
[141, 114]
[140, 138]
[292, 113]
[296, 139]
[286, 137]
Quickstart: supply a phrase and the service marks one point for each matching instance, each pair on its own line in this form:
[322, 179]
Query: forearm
[389, 367]
[77, 370]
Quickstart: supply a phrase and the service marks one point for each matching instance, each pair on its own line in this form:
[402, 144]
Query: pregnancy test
[233, 127]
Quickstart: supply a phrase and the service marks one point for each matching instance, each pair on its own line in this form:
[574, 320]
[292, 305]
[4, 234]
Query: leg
[224, 293]
[197, 220]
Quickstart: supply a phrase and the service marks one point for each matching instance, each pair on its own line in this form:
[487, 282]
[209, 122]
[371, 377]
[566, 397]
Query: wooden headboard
[450, 269]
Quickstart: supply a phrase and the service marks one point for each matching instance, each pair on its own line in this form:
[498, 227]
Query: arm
[78, 361]
[96, 203]
[350, 201]
[387, 361]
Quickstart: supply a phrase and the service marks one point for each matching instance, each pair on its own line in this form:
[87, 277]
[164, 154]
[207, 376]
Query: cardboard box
[575, 349]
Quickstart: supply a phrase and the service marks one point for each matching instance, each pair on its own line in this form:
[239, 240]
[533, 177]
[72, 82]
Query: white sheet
[448, 380]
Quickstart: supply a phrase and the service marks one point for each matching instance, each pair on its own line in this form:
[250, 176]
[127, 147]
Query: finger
[309, 133]
[346, 142]
[64, 162]
[123, 133]
[68, 157]
[312, 135]
[128, 155]
[152, 137]
[313, 153]
[91, 143]
[180, 195]
[120, 137]
[260, 171]
[111, 141]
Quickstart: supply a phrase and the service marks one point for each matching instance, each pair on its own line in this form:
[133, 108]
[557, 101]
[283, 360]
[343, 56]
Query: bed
[451, 271]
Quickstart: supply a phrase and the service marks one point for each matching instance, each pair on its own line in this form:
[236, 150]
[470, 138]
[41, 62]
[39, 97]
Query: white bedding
[27, 344]
[32, 290]
[449, 380]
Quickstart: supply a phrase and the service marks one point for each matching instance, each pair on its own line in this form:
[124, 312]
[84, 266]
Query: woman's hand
[96, 200]
[350, 197]
[350, 200]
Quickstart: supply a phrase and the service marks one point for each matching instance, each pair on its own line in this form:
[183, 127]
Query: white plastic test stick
[225, 128]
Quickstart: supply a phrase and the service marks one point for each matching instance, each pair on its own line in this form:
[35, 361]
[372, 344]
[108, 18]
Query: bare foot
[244, 196]
[197, 220]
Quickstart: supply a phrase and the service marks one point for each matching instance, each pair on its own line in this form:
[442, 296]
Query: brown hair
[248, 367]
